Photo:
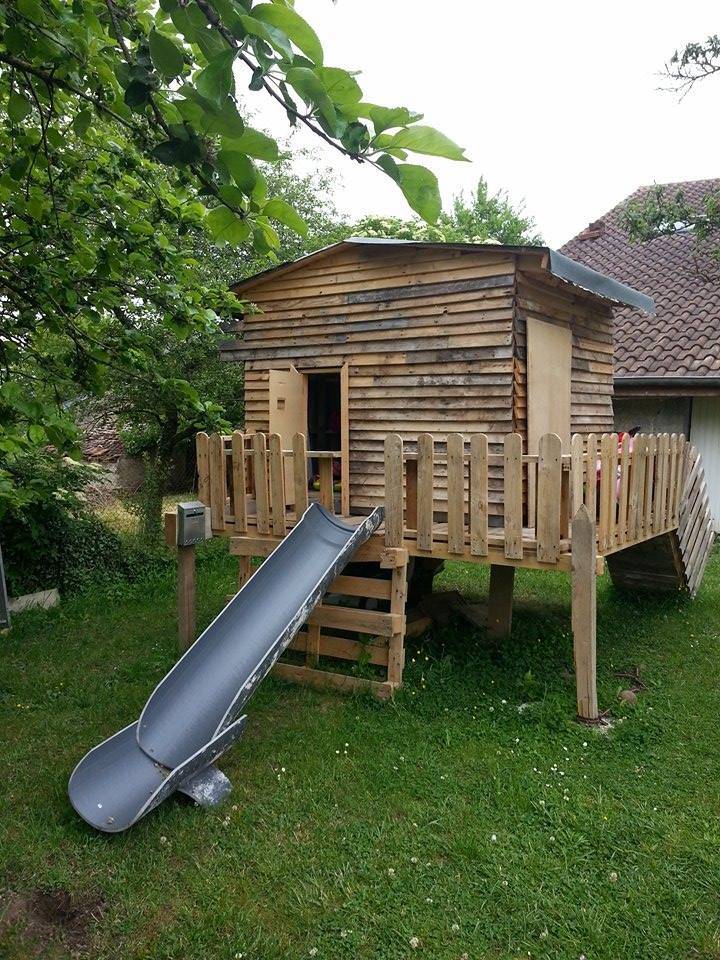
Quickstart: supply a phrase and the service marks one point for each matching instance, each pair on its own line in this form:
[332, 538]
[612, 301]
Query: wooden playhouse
[468, 390]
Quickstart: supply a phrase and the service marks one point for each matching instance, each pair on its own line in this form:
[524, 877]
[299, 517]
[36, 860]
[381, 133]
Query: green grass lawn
[472, 817]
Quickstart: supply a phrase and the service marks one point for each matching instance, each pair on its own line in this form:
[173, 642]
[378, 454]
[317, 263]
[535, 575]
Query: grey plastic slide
[194, 714]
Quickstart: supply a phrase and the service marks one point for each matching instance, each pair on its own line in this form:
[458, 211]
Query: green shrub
[53, 540]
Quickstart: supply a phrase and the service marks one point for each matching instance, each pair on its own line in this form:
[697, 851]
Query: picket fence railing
[631, 488]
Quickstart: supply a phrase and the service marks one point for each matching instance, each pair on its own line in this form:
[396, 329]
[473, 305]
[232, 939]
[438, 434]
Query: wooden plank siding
[434, 341]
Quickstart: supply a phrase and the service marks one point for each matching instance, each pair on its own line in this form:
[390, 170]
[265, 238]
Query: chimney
[593, 230]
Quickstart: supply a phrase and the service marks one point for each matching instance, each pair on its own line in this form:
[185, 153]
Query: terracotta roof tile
[683, 338]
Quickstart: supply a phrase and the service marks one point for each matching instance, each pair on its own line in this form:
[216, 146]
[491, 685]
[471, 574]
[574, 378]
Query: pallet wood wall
[434, 341]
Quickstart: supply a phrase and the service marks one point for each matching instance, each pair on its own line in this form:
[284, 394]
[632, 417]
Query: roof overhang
[600, 284]
[678, 386]
[550, 261]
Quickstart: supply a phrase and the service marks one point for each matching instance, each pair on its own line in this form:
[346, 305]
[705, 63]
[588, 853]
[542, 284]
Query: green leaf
[16, 40]
[18, 167]
[226, 227]
[230, 194]
[384, 118]
[311, 88]
[281, 211]
[241, 169]
[420, 188]
[178, 151]
[228, 123]
[18, 107]
[82, 122]
[216, 81]
[255, 144]
[167, 57]
[137, 94]
[389, 166]
[276, 38]
[427, 140]
[31, 9]
[265, 238]
[292, 24]
[341, 86]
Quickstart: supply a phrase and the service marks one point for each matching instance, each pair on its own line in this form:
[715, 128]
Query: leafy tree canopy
[481, 218]
[662, 212]
[122, 141]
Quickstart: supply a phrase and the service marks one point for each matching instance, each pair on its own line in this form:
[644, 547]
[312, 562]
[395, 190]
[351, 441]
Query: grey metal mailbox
[191, 523]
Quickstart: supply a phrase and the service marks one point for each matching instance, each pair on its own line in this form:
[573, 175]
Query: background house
[667, 366]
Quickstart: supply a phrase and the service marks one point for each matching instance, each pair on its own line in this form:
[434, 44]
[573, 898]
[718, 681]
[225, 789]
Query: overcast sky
[555, 102]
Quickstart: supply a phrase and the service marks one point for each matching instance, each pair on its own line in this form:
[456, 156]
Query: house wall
[653, 414]
[696, 417]
[705, 435]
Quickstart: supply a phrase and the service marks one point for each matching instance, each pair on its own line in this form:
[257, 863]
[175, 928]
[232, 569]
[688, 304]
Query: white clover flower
[391, 871]
[313, 951]
[493, 838]
[455, 928]
[613, 876]
[414, 942]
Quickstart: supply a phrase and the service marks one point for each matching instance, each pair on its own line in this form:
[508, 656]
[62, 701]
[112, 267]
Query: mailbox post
[191, 527]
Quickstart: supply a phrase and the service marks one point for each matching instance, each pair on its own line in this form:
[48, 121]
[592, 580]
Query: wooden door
[288, 415]
[549, 382]
[549, 388]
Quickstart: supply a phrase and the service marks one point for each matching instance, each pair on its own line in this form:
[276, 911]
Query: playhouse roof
[561, 267]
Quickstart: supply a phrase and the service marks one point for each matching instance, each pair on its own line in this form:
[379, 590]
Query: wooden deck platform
[561, 511]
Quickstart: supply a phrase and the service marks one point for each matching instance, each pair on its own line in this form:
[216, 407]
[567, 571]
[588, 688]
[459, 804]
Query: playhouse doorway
[316, 405]
[324, 414]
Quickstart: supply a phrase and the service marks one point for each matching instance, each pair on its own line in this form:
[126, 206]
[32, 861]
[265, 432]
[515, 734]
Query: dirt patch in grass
[53, 916]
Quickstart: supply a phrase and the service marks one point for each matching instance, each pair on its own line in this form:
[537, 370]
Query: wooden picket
[549, 478]
[456, 492]
[632, 489]
[479, 495]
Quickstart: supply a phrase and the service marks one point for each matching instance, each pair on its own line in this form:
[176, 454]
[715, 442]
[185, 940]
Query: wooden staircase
[674, 560]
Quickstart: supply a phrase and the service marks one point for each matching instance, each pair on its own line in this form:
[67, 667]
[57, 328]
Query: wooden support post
[186, 597]
[499, 619]
[396, 643]
[312, 651]
[327, 496]
[244, 571]
[584, 613]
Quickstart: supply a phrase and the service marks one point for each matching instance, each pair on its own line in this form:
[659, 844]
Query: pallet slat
[456, 492]
[512, 452]
[479, 495]
[549, 479]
